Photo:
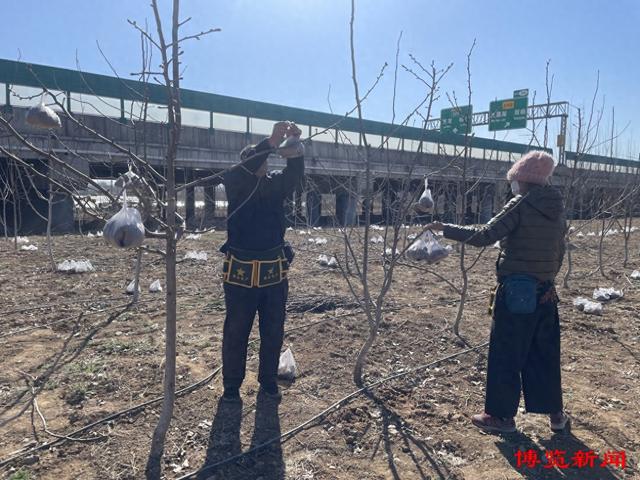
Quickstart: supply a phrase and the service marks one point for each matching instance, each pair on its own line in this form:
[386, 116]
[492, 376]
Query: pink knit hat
[534, 167]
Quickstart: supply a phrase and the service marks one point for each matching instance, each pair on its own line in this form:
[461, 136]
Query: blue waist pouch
[520, 293]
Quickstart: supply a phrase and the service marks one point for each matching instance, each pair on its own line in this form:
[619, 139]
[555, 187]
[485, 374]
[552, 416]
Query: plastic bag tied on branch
[425, 202]
[427, 248]
[141, 188]
[42, 116]
[125, 229]
[291, 147]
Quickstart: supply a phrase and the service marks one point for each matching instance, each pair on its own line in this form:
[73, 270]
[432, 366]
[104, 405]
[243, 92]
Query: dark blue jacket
[255, 209]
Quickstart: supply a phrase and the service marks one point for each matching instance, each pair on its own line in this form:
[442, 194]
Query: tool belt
[255, 269]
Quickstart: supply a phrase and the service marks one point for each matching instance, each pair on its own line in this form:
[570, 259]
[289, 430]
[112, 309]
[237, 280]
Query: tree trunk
[600, 250]
[362, 356]
[136, 278]
[49, 241]
[463, 293]
[153, 469]
[565, 281]
[14, 192]
[4, 218]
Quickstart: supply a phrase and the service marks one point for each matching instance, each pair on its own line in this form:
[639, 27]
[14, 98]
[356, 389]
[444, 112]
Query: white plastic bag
[75, 266]
[287, 368]
[427, 248]
[201, 256]
[606, 294]
[42, 116]
[587, 306]
[635, 275]
[132, 287]
[155, 287]
[323, 260]
[425, 203]
[291, 147]
[125, 229]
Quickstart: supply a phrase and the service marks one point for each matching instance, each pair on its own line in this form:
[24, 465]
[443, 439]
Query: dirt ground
[72, 340]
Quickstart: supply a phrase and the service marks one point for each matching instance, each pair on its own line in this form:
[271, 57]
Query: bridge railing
[123, 101]
[130, 111]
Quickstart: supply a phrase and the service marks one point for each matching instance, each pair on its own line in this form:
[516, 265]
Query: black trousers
[242, 305]
[524, 352]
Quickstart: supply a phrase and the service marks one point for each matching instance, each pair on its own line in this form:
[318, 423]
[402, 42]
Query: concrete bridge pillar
[487, 194]
[298, 216]
[346, 207]
[190, 207]
[389, 198]
[450, 203]
[209, 205]
[314, 208]
[341, 207]
[62, 213]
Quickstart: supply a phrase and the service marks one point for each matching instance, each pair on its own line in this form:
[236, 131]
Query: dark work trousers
[242, 304]
[524, 351]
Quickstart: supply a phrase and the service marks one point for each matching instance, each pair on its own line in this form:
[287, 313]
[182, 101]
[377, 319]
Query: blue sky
[292, 52]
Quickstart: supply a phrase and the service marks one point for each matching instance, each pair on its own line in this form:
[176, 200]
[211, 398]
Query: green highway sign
[456, 119]
[510, 113]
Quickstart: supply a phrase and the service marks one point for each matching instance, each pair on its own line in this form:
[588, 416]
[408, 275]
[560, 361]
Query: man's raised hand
[278, 133]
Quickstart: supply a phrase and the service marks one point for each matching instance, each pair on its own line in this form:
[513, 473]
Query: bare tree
[171, 76]
[5, 193]
[170, 66]
[370, 288]
[587, 136]
[157, 193]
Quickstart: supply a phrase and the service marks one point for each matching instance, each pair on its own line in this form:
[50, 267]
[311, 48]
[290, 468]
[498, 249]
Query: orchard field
[75, 344]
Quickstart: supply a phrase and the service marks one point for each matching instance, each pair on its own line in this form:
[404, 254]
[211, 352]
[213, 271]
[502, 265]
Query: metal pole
[7, 107]
[563, 132]
[122, 113]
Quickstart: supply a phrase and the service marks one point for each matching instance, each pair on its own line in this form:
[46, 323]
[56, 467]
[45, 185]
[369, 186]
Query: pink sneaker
[558, 422]
[488, 423]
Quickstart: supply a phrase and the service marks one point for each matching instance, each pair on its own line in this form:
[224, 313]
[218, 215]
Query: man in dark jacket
[524, 348]
[257, 259]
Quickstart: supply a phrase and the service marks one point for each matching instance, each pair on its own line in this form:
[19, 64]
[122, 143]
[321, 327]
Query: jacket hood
[547, 200]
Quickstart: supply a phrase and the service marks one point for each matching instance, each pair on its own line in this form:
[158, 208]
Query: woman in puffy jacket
[524, 348]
